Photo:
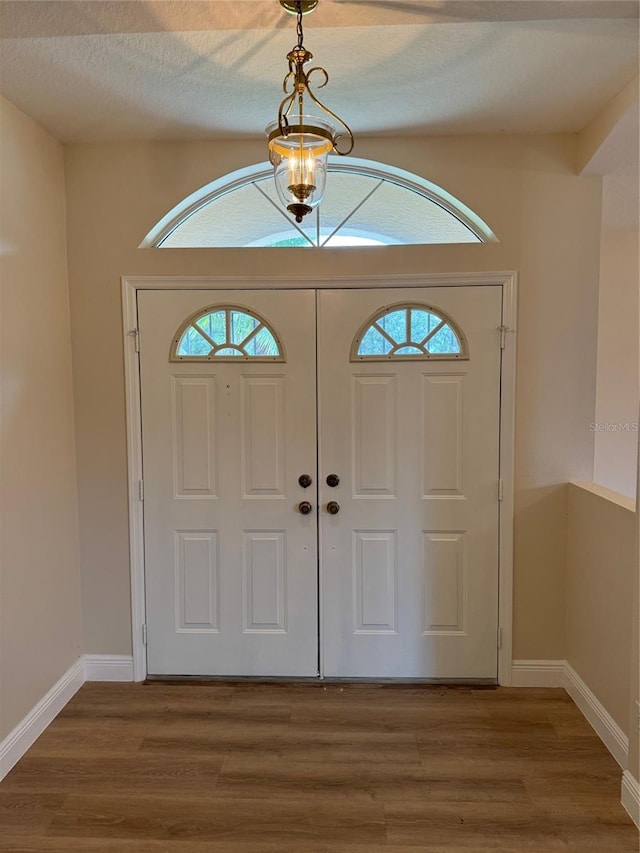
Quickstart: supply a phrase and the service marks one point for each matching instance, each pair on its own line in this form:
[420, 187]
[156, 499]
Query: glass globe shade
[299, 159]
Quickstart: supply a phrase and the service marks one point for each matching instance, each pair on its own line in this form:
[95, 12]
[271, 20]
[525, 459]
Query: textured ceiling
[111, 71]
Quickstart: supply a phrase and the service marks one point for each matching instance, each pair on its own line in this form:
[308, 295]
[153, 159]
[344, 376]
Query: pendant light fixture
[300, 142]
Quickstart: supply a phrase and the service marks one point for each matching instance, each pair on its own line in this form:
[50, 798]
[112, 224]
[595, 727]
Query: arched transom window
[365, 204]
[410, 332]
[226, 333]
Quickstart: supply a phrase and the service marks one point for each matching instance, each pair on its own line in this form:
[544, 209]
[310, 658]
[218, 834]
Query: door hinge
[144, 635]
[500, 489]
[140, 490]
[503, 335]
[135, 334]
[499, 636]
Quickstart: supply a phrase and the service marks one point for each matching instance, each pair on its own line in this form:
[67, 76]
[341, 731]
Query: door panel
[231, 565]
[409, 565]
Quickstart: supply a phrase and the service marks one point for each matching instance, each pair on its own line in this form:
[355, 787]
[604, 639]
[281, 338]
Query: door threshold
[476, 683]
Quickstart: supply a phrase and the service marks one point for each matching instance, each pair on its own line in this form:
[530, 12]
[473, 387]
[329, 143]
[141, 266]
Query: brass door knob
[305, 481]
[333, 507]
[304, 507]
[333, 480]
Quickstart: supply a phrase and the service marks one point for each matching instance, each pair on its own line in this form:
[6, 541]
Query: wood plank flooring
[305, 768]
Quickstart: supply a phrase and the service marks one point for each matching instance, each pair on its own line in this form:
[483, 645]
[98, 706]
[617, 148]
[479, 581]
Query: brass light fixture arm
[296, 84]
[341, 135]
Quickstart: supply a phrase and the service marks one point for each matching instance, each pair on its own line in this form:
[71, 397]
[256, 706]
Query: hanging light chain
[299, 25]
[298, 80]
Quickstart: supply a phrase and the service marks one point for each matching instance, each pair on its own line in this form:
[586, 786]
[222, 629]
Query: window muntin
[226, 333]
[409, 332]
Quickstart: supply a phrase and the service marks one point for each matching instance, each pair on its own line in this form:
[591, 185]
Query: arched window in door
[409, 332]
[226, 333]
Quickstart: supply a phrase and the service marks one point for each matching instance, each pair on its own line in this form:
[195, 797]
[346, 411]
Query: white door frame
[506, 280]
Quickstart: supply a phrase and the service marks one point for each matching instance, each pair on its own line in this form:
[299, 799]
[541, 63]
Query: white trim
[560, 673]
[501, 278]
[18, 741]
[631, 796]
[597, 716]
[108, 668]
[538, 673]
[506, 280]
[134, 466]
[86, 668]
[507, 477]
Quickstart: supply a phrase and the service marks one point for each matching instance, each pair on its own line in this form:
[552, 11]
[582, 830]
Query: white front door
[410, 561]
[408, 565]
[230, 563]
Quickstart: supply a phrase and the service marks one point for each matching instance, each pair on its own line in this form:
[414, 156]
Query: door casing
[506, 280]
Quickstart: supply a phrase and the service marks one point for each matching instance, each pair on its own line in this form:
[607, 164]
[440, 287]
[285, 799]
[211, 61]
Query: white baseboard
[631, 796]
[597, 715]
[86, 668]
[108, 668]
[538, 673]
[17, 742]
[560, 673]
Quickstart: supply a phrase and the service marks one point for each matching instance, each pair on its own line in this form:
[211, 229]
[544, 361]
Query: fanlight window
[226, 333]
[365, 204]
[410, 332]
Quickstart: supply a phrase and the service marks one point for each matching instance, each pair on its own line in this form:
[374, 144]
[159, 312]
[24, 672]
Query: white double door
[402, 581]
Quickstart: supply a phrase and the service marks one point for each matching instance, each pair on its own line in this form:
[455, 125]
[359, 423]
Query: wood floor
[261, 768]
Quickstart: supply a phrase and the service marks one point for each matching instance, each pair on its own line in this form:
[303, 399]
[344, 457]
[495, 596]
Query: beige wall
[601, 569]
[41, 627]
[616, 437]
[547, 221]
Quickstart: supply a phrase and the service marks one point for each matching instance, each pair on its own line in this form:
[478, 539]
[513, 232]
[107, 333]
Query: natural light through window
[325, 240]
[365, 204]
[410, 332]
[226, 333]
